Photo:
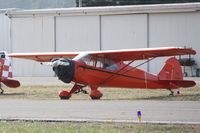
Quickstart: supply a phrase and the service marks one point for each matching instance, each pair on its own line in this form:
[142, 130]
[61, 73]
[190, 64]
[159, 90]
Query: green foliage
[39, 4]
[130, 2]
[78, 127]
[36, 4]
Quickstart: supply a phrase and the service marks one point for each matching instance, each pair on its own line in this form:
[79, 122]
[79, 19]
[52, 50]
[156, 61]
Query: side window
[91, 62]
[112, 67]
[99, 64]
[109, 64]
[87, 60]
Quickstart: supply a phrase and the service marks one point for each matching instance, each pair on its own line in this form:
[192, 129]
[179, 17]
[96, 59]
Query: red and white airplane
[6, 72]
[107, 69]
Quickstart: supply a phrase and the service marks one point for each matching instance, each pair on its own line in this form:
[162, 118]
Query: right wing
[142, 53]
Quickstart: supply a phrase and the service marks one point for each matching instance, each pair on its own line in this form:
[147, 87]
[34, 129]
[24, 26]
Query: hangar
[99, 28]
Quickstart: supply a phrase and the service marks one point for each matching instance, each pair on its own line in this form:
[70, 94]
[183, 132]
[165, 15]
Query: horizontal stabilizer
[180, 83]
[11, 83]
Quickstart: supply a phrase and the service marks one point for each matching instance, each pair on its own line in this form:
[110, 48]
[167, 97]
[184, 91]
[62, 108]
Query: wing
[115, 55]
[44, 57]
[141, 54]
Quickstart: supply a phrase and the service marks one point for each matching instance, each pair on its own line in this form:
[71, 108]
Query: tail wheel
[64, 95]
[95, 94]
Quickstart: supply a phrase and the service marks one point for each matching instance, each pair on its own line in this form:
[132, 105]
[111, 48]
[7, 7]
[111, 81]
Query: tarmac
[153, 111]
[181, 112]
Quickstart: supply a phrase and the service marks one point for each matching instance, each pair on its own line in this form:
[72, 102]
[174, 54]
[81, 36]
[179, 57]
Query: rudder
[171, 70]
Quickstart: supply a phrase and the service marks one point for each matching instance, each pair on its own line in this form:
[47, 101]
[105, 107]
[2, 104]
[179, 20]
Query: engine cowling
[64, 69]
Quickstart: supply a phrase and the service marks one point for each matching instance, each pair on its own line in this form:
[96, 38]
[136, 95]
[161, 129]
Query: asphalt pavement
[187, 112]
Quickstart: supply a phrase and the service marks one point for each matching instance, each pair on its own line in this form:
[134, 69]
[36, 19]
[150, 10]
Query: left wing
[44, 57]
[115, 55]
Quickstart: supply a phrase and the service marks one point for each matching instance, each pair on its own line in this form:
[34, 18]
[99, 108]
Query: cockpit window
[112, 67]
[99, 62]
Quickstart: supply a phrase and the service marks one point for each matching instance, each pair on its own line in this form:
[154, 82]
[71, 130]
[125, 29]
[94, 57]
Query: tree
[129, 2]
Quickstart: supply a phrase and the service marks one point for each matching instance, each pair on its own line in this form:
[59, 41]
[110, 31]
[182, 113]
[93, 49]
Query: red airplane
[107, 69]
[6, 72]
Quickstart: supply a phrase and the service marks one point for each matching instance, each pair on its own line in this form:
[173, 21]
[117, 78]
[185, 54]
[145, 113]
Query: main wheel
[95, 98]
[64, 95]
[95, 94]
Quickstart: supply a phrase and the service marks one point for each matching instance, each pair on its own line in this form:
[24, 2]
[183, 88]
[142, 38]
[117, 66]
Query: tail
[172, 73]
[6, 71]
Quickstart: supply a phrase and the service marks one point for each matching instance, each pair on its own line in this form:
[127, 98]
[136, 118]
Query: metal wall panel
[124, 32]
[4, 33]
[174, 29]
[34, 34]
[77, 33]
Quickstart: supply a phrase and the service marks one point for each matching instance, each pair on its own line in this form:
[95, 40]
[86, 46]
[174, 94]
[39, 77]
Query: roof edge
[107, 10]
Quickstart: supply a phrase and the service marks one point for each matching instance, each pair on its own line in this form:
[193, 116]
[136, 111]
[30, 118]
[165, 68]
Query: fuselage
[96, 73]
[123, 77]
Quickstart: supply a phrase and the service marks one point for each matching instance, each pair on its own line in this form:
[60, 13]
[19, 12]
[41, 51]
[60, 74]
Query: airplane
[108, 69]
[6, 73]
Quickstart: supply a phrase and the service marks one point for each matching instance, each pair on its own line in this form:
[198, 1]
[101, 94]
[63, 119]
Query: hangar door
[32, 34]
[77, 33]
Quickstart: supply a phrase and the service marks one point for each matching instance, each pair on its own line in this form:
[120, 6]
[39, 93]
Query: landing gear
[95, 94]
[81, 90]
[2, 91]
[64, 95]
[171, 92]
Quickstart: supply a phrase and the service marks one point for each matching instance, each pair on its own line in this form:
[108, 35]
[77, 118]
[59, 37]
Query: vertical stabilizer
[171, 71]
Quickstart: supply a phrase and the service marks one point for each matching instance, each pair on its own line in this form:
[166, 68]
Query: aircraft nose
[60, 62]
[64, 69]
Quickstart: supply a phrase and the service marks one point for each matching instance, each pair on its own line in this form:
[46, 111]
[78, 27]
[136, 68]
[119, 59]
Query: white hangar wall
[123, 31]
[77, 33]
[5, 44]
[102, 28]
[35, 34]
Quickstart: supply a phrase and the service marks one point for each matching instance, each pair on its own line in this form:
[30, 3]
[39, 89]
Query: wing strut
[113, 76]
[110, 77]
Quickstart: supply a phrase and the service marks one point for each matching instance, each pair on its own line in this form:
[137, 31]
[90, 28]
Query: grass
[85, 127]
[51, 93]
